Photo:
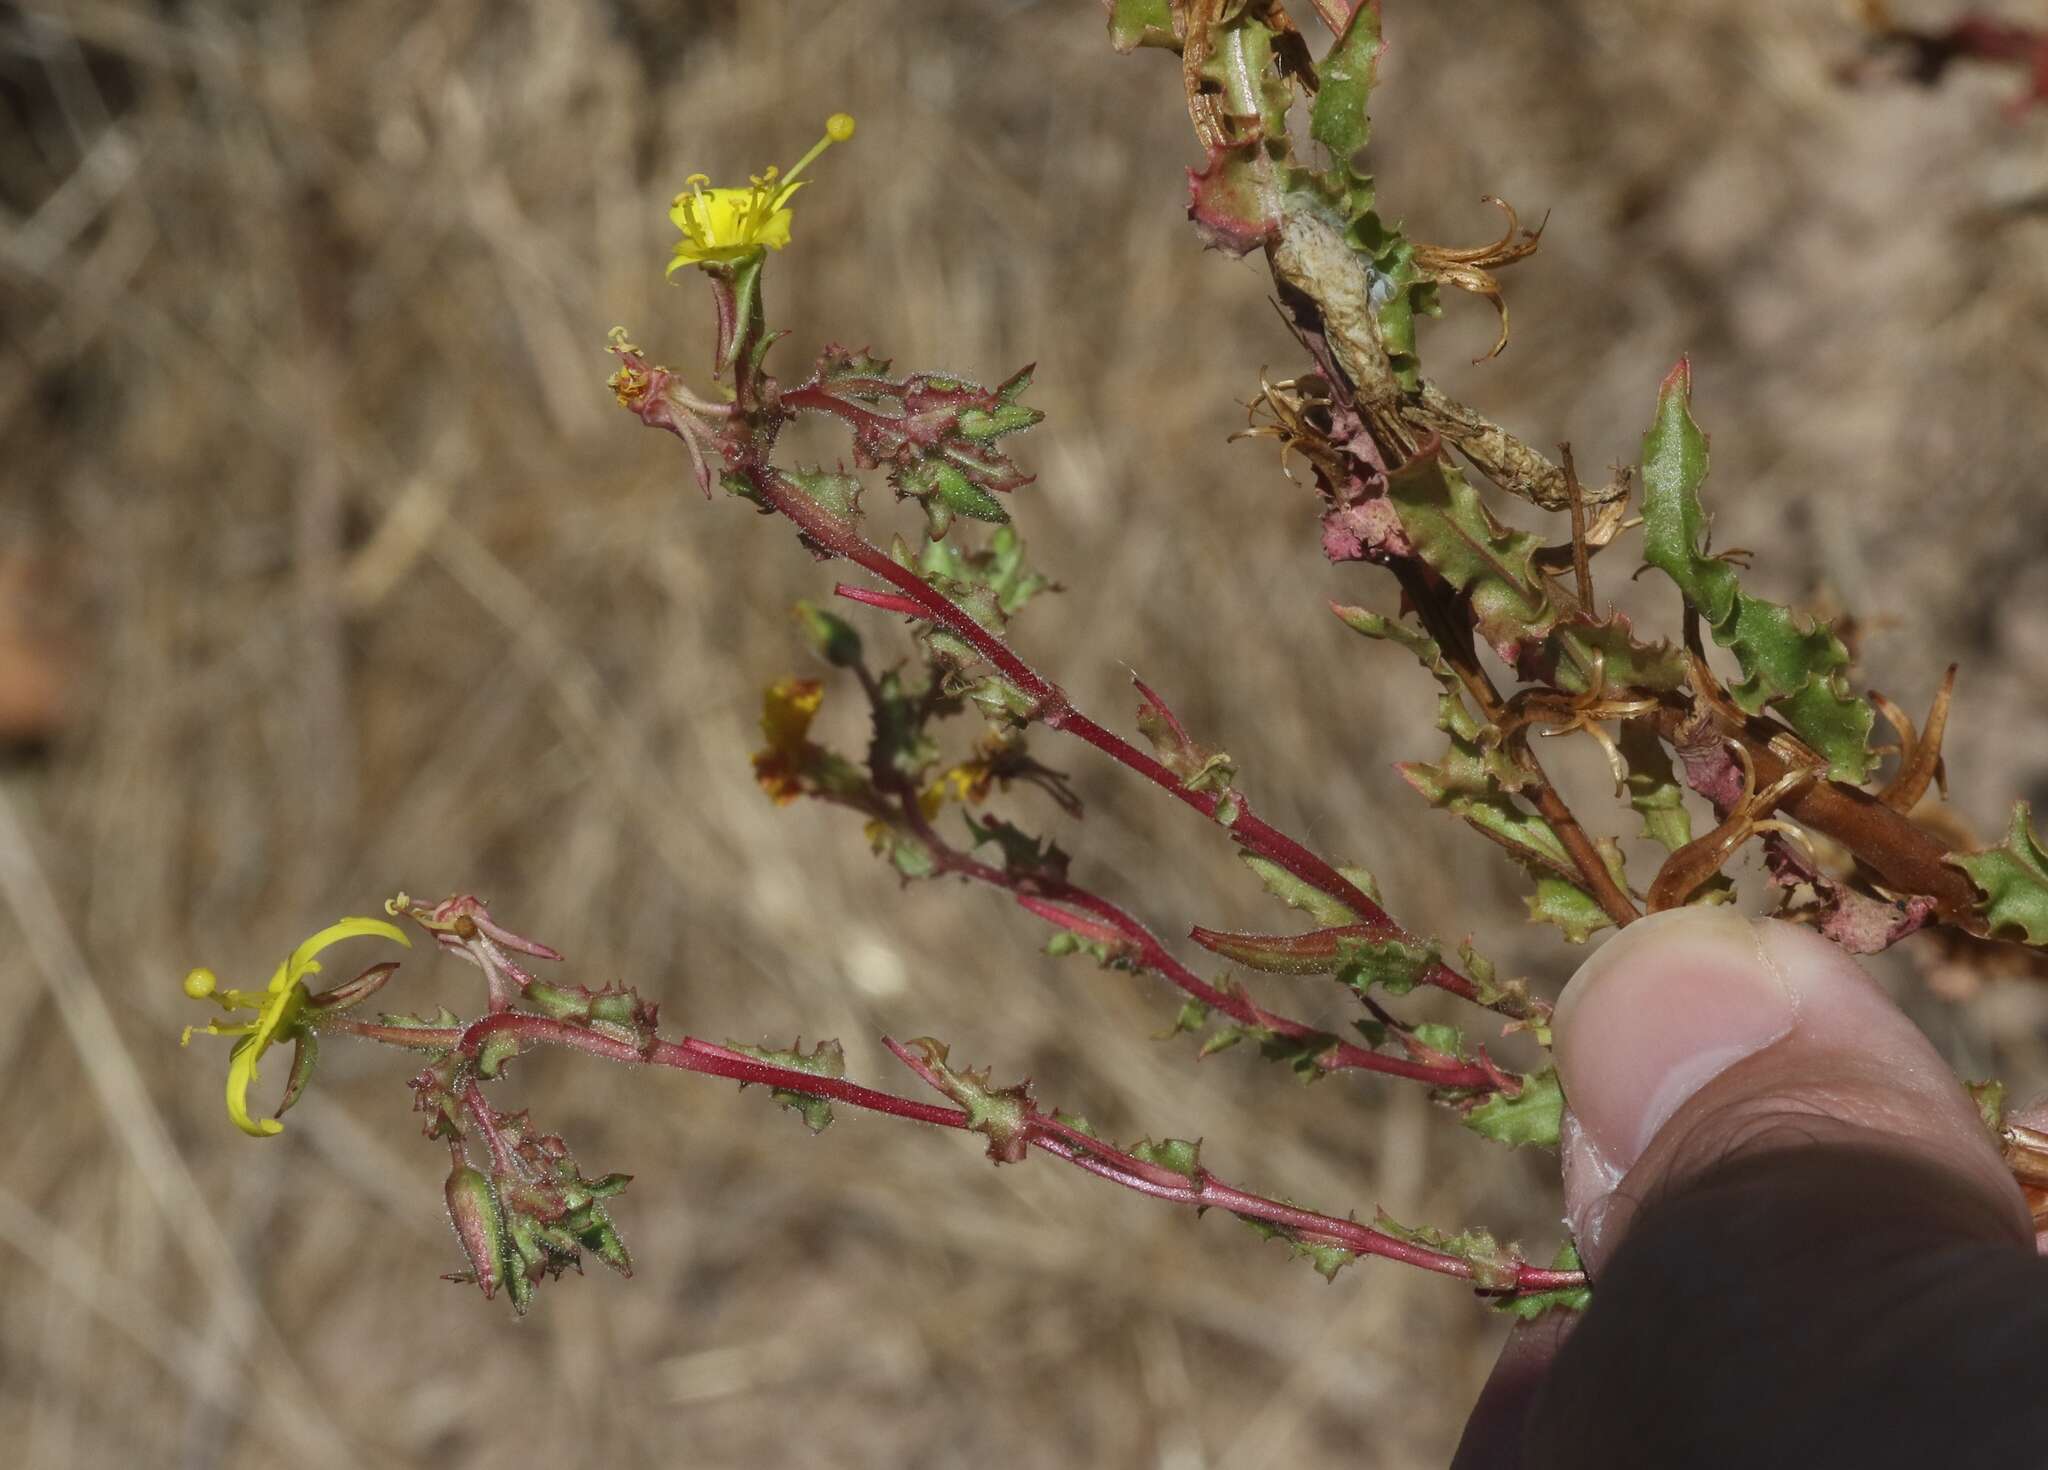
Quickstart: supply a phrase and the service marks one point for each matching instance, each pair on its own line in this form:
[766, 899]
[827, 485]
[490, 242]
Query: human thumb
[1697, 1033]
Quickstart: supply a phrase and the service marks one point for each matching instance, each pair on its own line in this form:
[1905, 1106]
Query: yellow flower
[787, 710]
[279, 1013]
[723, 225]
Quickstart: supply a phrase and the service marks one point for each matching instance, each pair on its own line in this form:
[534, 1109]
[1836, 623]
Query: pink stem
[837, 536]
[887, 602]
[1043, 1132]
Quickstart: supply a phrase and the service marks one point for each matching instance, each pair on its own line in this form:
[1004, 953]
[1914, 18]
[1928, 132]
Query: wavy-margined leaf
[1453, 531]
[2013, 878]
[1530, 1305]
[1582, 651]
[1135, 23]
[1528, 1119]
[1802, 673]
[1493, 1265]
[1337, 119]
[1653, 788]
[1237, 200]
[826, 1059]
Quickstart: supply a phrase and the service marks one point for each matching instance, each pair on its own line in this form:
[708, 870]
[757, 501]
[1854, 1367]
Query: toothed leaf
[1802, 673]
[1528, 1119]
[2013, 877]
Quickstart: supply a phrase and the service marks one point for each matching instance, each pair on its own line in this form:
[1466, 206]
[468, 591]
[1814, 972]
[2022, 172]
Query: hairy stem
[1043, 1131]
[1051, 707]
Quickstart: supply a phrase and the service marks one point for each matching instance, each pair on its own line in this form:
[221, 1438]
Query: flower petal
[301, 961]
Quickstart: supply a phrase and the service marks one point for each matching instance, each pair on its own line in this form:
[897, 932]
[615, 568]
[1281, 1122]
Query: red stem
[833, 534]
[1043, 1132]
[886, 601]
[1113, 924]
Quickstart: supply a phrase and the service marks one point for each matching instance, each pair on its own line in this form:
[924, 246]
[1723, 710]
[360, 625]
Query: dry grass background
[367, 584]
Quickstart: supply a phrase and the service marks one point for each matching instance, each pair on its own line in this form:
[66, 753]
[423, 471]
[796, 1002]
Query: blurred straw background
[330, 568]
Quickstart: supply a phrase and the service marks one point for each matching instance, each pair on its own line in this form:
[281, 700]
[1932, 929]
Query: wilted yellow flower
[278, 1010]
[787, 710]
[724, 225]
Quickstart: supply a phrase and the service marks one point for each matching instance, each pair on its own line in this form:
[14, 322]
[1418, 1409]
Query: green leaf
[1653, 788]
[1493, 1266]
[1990, 1100]
[826, 1059]
[1199, 767]
[1454, 532]
[1530, 1118]
[1002, 1115]
[1193, 1016]
[1022, 853]
[1337, 118]
[1438, 1037]
[1465, 788]
[1135, 23]
[1302, 1054]
[1570, 907]
[1579, 646]
[1297, 893]
[1176, 1154]
[1327, 1259]
[1800, 672]
[839, 494]
[1530, 1305]
[2013, 878]
[1393, 965]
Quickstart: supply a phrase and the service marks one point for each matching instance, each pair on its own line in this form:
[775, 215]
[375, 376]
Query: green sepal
[1529, 1119]
[1800, 672]
[1532, 1304]
[2013, 877]
[305, 1054]
[832, 638]
[745, 276]
[826, 1059]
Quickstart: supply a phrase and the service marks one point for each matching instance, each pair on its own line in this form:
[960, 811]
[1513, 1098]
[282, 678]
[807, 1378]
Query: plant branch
[1453, 635]
[1051, 706]
[1042, 1131]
